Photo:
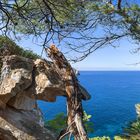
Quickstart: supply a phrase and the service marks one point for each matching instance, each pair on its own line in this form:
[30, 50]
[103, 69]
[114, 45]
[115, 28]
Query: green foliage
[59, 123]
[88, 124]
[119, 138]
[14, 49]
[100, 138]
[132, 131]
[51, 20]
[126, 18]
[39, 16]
[86, 117]
[133, 128]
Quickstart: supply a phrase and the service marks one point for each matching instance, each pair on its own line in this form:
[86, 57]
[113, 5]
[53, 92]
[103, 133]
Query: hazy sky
[108, 58]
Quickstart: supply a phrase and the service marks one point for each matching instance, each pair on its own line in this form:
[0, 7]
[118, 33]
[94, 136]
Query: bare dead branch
[74, 96]
[119, 4]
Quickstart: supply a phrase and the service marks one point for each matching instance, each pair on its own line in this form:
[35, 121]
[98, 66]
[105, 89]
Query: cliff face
[23, 82]
[23, 125]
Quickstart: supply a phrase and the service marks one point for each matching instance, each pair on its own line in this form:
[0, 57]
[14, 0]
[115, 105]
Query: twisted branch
[74, 96]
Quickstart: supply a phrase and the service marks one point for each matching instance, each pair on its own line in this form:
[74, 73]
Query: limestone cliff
[23, 82]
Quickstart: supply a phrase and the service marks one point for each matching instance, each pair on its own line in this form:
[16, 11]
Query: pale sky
[108, 58]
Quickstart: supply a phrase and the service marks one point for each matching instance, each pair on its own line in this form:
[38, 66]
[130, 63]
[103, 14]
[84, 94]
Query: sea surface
[112, 106]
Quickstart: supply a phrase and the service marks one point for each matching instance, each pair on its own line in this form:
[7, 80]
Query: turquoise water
[112, 106]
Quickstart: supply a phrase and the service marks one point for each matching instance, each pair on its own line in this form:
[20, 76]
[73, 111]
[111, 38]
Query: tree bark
[74, 96]
[119, 4]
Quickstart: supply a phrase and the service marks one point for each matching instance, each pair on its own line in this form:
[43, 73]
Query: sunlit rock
[138, 109]
[24, 81]
[23, 125]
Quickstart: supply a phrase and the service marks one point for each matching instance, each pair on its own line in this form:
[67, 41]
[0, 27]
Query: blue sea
[112, 106]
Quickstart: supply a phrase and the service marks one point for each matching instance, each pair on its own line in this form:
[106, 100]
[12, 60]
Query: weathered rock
[23, 82]
[49, 84]
[23, 101]
[23, 125]
[6, 135]
[16, 76]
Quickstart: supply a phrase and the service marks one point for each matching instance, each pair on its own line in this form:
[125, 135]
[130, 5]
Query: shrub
[14, 49]
[100, 138]
[59, 123]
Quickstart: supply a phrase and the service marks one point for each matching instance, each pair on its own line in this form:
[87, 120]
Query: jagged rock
[23, 125]
[6, 135]
[16, 76]
[49, 83]
[22, 101]
[23, 82]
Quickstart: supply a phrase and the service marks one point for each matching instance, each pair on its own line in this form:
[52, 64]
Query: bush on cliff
[14, 49]
[11, 48]
[58, 123]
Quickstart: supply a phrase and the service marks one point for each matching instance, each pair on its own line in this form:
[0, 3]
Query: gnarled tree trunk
[74, 96]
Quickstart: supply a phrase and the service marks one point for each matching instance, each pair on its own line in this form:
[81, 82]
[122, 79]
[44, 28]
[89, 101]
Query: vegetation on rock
[59, 123]
[72, 21]
[100, 138]
[9, 47]
[132, 131]
[6, 44]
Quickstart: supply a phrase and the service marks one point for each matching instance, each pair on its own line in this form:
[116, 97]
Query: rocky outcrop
[23, 125]
[23, 82]
[138, 110]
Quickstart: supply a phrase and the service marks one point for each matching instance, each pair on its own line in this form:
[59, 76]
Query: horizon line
[108, 70]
